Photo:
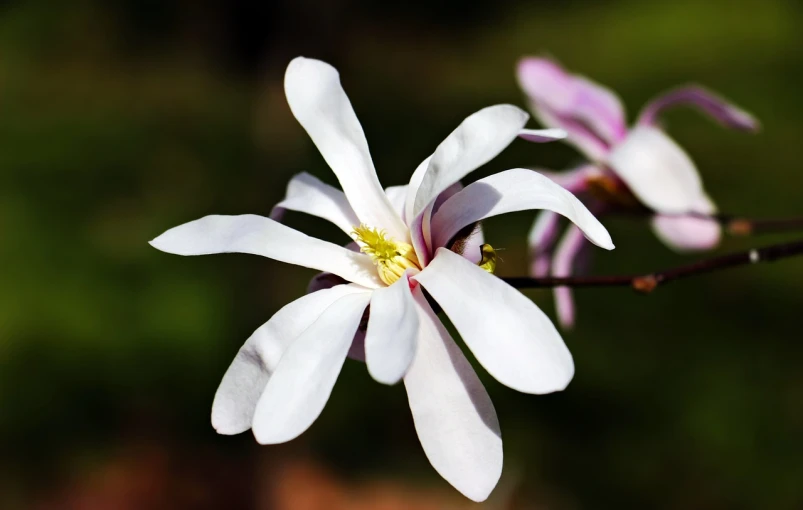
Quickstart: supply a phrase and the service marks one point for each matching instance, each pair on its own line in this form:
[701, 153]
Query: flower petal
[310, 195]
[248, 374]
[510, 336]
[412, 189]
[477, 140]
[566, 252]
[303, 380]
[392, 329]
[540, 240]
[657, 171]
[719, 109]
[542, 135]
[397, 195]
[453, 414]
[257, 235]
[509, 191]
[581, 107]
[687, 233]
[321, 106]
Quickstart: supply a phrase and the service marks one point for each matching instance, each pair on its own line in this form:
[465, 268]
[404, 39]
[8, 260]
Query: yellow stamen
[488, 261]
[391, 257]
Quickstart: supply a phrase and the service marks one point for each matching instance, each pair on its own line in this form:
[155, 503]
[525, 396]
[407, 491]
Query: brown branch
[646, 283]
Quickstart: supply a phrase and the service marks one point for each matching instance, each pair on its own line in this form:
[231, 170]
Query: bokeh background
[121, 119]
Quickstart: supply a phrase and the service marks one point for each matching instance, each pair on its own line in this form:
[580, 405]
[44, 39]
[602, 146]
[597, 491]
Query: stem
[646, 283]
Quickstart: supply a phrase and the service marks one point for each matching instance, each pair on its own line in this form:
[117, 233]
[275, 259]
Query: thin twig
[646, 283]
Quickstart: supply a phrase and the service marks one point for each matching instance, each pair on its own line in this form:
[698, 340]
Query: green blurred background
[121, 119]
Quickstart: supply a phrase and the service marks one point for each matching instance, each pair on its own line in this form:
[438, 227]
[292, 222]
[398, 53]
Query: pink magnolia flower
[640, 166]
[283, 375]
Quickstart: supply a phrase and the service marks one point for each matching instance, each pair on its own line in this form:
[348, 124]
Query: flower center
[391, 257]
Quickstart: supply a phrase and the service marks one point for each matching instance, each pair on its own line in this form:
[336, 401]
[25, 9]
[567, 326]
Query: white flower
[282, 377]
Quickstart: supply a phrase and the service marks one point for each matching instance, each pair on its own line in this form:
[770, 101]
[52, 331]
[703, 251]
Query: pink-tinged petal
[540, 240]
[453, 414]
[542, 135]
[510, 336]
[420, 236]
[390, 341]
[657, 171]
[310, 195]
[472, 246]
[687, 233]
[566, 252]
[571, 101]
[725, 113]
[477, 140]
[321, 106]
[303, 380]
[256, 235]
[579, 134]
[246, 378]
[397, 195]
[513, 190]
[574, 180]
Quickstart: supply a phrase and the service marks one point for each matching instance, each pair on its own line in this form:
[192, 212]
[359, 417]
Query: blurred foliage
[122, 119]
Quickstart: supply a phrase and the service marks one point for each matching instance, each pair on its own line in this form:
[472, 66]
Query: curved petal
[509, 191]
[392, 329]
[397, 195]
[453, 414]
[583, 108]
[477, 140]
[303, 380]
[257, 235]
[542, 135]
[579, 134]
[510, 336]
[412, 189]
[245, 380]
[308, 194]
[540, 240]
[657, 171]
[725, 113]
[321, 106]
[687, 233]
[566, 252]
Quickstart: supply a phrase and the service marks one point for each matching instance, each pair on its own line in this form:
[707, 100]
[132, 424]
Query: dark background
[121, 119]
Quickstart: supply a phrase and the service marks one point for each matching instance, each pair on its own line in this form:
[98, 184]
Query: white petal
[687, 233]
[454, 417]
[310, 195]
[657, 170]
[302, 382]
[510, 336]
[476, 141]
[256, 235]
[542, 135]
[412, 189]
[509, 191]
[392, 329]
[245, 380]
[321, 106]
[397, 195]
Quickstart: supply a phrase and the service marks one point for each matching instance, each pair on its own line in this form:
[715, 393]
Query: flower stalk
[648, 282]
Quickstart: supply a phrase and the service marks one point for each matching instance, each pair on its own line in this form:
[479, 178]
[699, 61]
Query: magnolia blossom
[633, 167]
[282, 377]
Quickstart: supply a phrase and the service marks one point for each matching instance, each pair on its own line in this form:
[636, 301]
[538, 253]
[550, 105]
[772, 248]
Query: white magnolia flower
[282, 377]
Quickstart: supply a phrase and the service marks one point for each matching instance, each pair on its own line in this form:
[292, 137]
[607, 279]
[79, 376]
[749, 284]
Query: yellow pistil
[391, 257]
[488, 261]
